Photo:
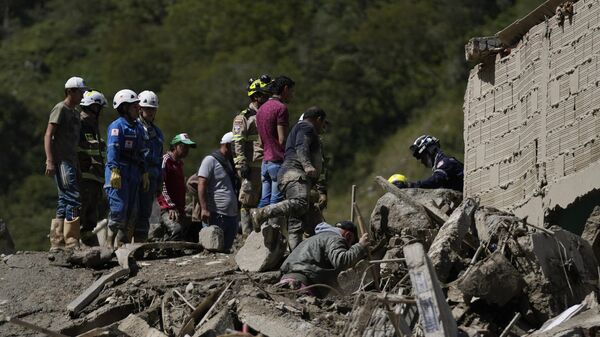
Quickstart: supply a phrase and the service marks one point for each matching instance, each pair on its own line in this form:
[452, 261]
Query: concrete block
[255, 257]
[211, 238]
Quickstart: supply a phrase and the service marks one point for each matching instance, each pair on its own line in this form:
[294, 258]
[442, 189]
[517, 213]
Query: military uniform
[91, 153]
[248, 154]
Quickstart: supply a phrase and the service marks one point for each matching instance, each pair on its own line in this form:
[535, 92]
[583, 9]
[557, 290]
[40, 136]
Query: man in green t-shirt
[60, 144]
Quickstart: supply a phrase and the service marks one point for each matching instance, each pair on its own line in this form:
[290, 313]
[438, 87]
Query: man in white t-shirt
[217, 190]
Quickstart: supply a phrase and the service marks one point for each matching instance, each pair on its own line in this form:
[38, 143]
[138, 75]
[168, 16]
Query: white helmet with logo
[93, 97]
[124, 96]
[148, 99]
[75, 82]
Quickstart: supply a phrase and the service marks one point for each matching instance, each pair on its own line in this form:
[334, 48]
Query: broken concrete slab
[445, 200]
[92, 292]
[579, 320]
[591, 231]
[212, 238]
[134, 326]
[261, 316]
[217, 325]
[479, 48]
[493, 279]
[393, 216]
[560, 270]
[487, 219]
[7, 246]
[445, 249]
[254, 256]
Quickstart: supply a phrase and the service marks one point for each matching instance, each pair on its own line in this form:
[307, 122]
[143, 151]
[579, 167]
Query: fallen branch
[400, 259]
[184, 299]
[205, 318]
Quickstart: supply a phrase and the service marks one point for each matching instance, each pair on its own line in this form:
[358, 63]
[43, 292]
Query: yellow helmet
[397, 178]
[259, 85]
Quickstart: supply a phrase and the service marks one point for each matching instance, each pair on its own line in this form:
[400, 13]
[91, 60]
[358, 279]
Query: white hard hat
[148, 99]
[227, 138]
[75, 82]
[93, 97]
[124, 96]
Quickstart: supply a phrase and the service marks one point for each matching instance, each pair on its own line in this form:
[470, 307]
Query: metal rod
[205, 318]
[509, 326]
[400, 259]
[184, 299]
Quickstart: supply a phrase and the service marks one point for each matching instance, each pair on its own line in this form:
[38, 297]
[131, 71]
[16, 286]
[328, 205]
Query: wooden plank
[92, 291]
[436, 317]
[437, 215]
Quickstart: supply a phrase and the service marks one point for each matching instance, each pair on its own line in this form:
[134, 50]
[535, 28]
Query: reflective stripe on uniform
[91, 152]
[91, 176]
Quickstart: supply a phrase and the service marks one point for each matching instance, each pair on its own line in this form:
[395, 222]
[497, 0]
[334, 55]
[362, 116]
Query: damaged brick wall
[531, 125]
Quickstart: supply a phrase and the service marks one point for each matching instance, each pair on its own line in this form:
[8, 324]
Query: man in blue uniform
[447, 171]
[125, 166]
[153, 160]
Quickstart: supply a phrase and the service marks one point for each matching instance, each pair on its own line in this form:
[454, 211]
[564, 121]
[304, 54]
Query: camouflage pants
[249, 198]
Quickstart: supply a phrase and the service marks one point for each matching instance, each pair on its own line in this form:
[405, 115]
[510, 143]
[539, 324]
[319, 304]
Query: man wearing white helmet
[125, 166]
[153, 158]
[60, 145]
[92, 151]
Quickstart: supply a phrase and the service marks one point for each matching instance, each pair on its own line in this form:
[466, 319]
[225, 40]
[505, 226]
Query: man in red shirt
[172, 197]
[272, 120]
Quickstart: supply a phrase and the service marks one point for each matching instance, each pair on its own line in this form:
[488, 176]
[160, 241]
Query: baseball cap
[183, 138]
[347, 225]
[227, 138]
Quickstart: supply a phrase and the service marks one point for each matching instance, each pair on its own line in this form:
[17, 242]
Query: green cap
[183, 138]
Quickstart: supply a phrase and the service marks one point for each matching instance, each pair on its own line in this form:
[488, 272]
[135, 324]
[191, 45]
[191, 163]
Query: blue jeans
[69, 198]
[270, 191]
[229, 225]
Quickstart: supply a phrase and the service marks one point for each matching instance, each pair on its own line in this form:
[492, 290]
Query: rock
[493, 279]
[579, 320]
[133, 326]
[211, 238]
[445, 249]
[591, 231]
[94, 257]
[263, 317]
[444, 199]
[392, 216]
[7, 246]
[350, 280]
[255, 257]
[487, 219]
[389, 268]
[217, 325]
[559, 270]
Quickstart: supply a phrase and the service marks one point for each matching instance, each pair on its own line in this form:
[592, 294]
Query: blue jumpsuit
[125, 150]
[153, 138]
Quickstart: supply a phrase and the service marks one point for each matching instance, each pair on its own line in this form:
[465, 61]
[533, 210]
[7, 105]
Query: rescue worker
[92, 151]
[125, 167]
[447, 171]
[153, 159]
[60, 144]
[172, 197]
[300, 170]
[248, 152]
[322, 257]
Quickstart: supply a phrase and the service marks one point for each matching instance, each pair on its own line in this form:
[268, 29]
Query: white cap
[148, 99]
[227, 138]
[75, 82]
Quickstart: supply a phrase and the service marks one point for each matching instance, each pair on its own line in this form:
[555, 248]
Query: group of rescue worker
[265, 177]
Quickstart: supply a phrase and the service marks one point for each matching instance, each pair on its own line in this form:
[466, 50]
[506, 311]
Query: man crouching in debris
[320, 258]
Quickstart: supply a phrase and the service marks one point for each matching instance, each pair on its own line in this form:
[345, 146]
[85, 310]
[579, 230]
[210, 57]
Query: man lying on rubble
[447, 171]
[322, 257]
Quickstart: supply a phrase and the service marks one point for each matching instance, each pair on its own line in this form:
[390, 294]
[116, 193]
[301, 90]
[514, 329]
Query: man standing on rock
[322, 257]
[248, 150]
[92, 151]
[447, 171]
[60, 144]
[217, 191]
[272, 121]
[299, 172]
[172, 197]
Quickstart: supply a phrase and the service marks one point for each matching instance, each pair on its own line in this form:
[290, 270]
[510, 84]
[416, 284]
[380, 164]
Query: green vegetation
[385, 71]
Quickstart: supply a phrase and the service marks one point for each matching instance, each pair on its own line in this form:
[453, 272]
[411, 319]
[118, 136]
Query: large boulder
[488, 221]
[591, 231]
[255, 256]
[212, 239]
[7, 246]
[444, 199]
[392, 216]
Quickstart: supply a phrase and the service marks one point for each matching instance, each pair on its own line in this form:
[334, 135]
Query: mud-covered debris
[254, 256]
[591, 231]
[94, 257]
[351, 280]
[212, 238]
[133, 326]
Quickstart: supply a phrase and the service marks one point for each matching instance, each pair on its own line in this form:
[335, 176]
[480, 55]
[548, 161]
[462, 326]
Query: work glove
[115, 178]
[245, 171]
[322, 203]
[146, 181]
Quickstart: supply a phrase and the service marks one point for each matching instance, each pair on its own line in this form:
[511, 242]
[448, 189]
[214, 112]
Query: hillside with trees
[385, 71]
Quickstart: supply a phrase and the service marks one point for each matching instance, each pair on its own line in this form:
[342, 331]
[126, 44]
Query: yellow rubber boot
[72, 233]
[56, 234]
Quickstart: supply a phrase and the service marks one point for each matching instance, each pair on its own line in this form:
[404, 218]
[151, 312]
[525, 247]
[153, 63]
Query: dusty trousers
[249, 197]
[91, 197]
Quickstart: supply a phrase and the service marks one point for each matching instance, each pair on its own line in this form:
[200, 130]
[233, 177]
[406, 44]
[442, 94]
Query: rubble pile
[443, 267]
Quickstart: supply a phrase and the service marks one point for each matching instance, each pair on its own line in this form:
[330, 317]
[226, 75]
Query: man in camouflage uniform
[91, 153]
[247, 148]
